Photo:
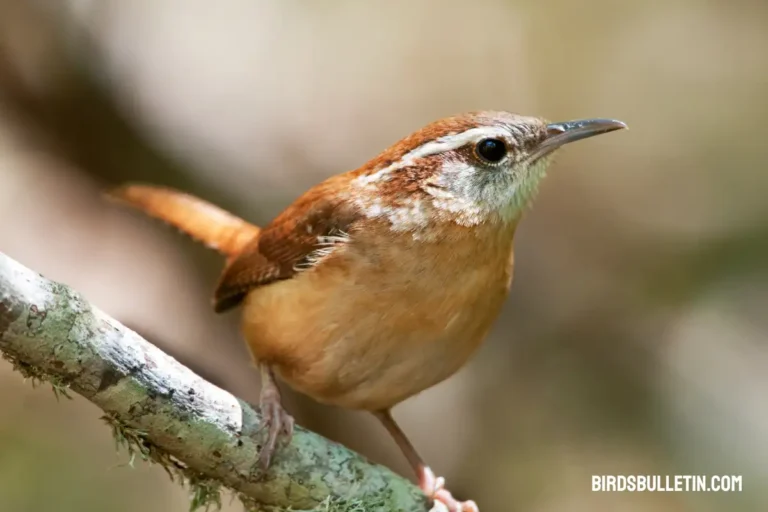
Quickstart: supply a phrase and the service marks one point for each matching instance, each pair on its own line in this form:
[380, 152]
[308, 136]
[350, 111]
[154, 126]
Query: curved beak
[559, 134]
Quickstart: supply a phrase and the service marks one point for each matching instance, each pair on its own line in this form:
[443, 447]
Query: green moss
[132, 440]
[329, 504]
[205, 492]
[60, 388]
[336, 504]
[37, 378]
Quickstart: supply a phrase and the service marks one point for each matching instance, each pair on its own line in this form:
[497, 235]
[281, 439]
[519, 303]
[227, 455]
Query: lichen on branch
[162, 412]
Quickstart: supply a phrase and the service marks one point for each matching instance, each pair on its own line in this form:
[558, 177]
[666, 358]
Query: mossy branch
[162, 412]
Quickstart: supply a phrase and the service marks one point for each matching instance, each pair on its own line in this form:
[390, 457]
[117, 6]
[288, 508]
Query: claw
[434, 487]
[279, 427]
[276, 422]
[288, 424]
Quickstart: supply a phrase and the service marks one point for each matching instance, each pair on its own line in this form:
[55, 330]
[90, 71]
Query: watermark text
[666, 483]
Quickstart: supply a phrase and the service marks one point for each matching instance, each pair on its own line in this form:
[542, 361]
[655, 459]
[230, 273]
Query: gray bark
[168, 414]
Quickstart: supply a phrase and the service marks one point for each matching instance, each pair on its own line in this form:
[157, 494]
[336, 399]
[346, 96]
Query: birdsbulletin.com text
[666, 483]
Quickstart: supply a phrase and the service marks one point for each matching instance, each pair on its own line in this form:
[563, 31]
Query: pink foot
[434, 487]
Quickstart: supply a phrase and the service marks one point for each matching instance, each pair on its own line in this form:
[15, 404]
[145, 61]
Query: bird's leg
[274, 419]
[432, 486]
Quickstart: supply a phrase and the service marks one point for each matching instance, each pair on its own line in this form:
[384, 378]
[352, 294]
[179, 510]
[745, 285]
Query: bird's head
[474, 168]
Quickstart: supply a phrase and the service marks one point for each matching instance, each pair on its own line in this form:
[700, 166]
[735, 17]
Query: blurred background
[634, 340]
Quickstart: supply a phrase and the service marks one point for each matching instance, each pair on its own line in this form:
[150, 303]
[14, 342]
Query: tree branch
[166, 413]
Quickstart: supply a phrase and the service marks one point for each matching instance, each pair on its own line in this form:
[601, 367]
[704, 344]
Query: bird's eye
[491, 150]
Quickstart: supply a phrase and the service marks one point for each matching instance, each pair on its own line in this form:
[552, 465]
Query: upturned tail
[203, 221]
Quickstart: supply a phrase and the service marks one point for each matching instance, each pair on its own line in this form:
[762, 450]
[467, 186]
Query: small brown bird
[380, 282]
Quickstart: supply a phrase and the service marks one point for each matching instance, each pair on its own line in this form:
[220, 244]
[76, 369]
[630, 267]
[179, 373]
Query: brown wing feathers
[284, 243]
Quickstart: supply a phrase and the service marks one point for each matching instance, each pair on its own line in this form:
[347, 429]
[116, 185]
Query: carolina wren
[380, 282]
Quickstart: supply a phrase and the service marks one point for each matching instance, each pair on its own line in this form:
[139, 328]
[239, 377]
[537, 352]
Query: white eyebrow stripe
[450, 142]
[440, 145]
